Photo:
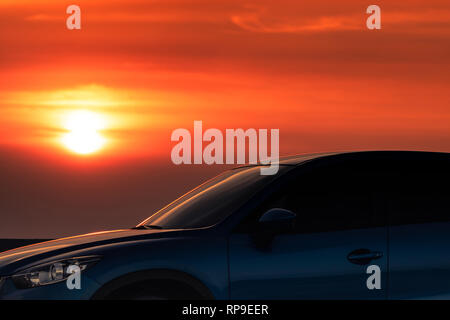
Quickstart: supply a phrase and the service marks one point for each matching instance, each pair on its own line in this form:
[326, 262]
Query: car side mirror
[275, 221]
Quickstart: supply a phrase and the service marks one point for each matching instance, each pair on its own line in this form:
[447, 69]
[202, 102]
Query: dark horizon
[42, 198]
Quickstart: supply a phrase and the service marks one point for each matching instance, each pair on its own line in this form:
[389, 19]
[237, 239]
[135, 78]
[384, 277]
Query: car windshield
[212, 201]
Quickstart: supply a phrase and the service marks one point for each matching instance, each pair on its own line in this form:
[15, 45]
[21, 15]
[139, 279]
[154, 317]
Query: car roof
[295, 160]
[393, 154]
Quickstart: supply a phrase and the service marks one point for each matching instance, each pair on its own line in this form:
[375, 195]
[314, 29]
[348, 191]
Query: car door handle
[363, 256]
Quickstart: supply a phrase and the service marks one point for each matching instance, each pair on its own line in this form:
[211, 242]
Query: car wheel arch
[151, 275]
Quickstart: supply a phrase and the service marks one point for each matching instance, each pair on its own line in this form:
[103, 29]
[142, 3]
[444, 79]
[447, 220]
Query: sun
[83, 136]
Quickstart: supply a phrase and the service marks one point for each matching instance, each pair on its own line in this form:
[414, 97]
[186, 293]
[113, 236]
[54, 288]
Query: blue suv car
[315, 230]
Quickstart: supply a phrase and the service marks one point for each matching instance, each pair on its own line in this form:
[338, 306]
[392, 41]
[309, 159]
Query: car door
[339, 240]
[419, 233]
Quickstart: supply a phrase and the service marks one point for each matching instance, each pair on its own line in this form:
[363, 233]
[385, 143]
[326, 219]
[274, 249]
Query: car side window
[329, 199]
[421, 195]
[334, 200]
[331, 209]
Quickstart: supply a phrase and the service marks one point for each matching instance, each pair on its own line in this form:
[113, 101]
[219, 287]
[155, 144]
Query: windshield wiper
[147, 227]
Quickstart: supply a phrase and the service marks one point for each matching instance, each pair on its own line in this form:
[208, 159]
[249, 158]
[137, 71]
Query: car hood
[62, 245]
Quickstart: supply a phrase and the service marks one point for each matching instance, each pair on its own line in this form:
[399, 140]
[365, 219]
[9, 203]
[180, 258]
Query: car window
[420, 195]
[328, 209]
[214, 200]
[331, 198]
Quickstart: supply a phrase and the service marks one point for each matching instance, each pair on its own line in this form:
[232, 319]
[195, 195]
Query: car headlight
[52, 272]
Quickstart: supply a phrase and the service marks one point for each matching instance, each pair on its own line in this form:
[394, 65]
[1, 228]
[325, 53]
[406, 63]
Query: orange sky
[312, 70]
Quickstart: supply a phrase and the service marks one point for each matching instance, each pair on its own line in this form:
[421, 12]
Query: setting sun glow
[83, 136]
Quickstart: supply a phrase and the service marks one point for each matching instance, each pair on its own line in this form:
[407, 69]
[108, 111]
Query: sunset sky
[144, 68]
